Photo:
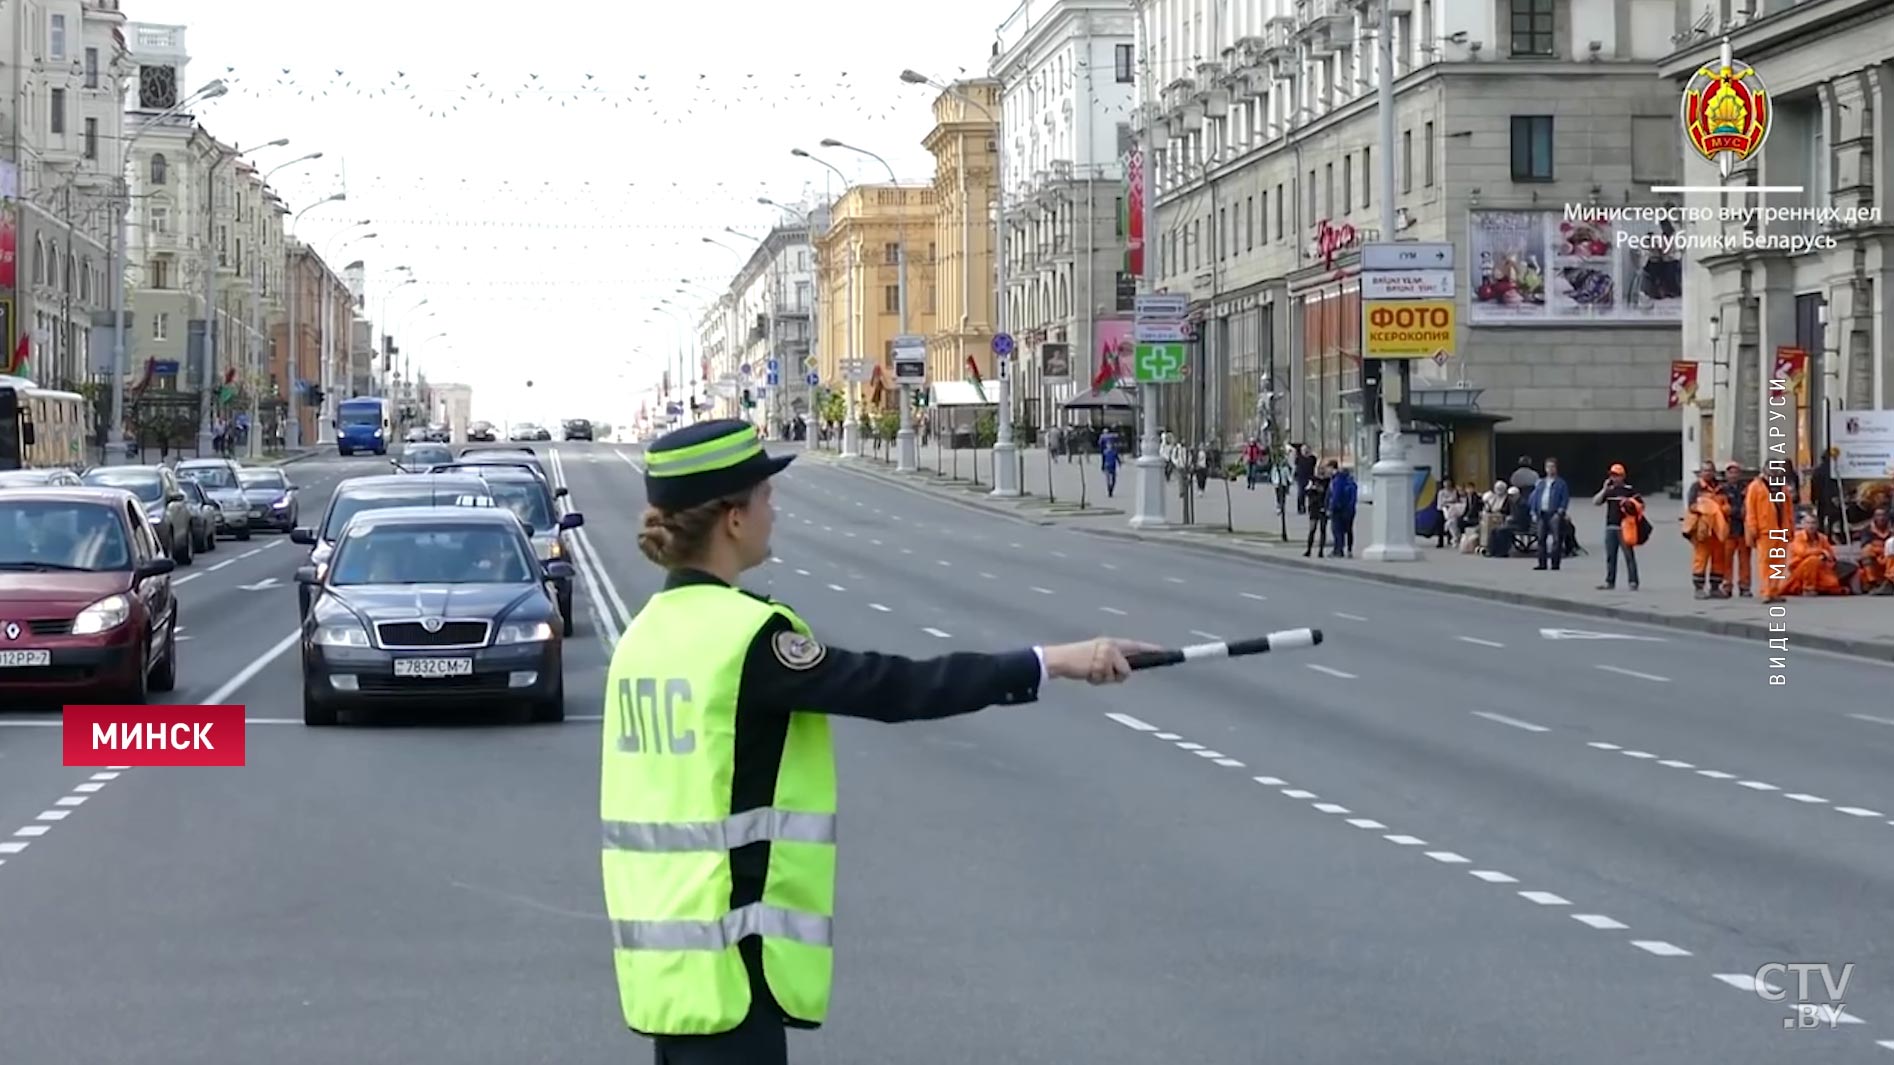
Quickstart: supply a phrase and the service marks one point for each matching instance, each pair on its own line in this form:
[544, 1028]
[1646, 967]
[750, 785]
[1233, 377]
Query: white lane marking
[1131, 722]
[1013, 545]
[1059, 554]
[1545, 898]
[828, 528]
[802, 573]
[1604, 746]
[1270, 782]
[1167, 736]
[1634, 673]
[248, 673]
[942, 562]
[1672, 763]
[1660, 948]
[1802, 796]
[1599, 921]
[1716, 774]
[1493, 876]
[1642, 755]
[1366, 822]
[1332, 808]
[1477, 640]
[1189, 746]
[1175, 580]
[1330, 670]
[1209, 755]
[1042, 591]
[1502, 719]
[1253, 595]
[1108, 565]
[1746, 982]
[1756, 785]
[222, 565]
[1298, 793]
[1206, 635]
[938, 633]
[878, 606]
[1400, 840]
[851, 536]
[907, 550]
[1871, 719]
[989, 576]
[1112, 610]
[70, 800]
[1233, 763]
[1857, 811]
[837, 588]
[33, 831]
[186, 579]
[255, 551]
[877, 543]
[53, 815]
[1448, 858]
[1350, 617]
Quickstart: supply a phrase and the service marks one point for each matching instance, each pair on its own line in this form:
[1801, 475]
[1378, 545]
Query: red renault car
[87, 613]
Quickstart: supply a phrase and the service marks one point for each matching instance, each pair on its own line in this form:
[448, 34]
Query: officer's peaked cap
[691, 466]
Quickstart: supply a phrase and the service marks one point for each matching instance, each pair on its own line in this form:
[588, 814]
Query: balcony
[1279, 39]
[1212, 94]
[1328, 26]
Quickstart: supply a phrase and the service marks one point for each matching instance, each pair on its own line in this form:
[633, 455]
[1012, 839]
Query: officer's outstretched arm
[787, 671]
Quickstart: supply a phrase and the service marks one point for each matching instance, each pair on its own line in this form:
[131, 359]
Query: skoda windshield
[456, 553]
[527, 497]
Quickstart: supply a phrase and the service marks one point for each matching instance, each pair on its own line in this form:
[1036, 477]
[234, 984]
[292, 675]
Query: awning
[1092, 399]
[1448, 416]
[964, 394]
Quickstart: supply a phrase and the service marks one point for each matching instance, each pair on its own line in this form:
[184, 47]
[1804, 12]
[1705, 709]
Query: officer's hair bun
[678, 538]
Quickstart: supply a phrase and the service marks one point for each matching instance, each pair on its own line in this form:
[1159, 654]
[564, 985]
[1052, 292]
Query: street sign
[910, 359]
[810, 362]
[1158, 363]
[855, 369]
[1406, 329]
[773, 380]
[1406, 256]
[744, 369]
[1407, 284]
[812, 379]
[773, 366]
[1002, 344]
[1150, 332]
[1161, 305]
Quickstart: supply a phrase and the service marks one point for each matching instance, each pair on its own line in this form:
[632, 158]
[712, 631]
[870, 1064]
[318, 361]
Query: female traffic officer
[717, 790]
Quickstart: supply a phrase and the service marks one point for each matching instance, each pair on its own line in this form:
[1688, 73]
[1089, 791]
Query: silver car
[203, 515]
[218, 478]
[270, 496]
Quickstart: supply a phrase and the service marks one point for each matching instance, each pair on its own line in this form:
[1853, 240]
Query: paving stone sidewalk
[1231, 519]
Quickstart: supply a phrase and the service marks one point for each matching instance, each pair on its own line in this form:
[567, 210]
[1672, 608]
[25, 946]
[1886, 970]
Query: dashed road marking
[1599, 921]
[1857, 811]
[1042, 591]
[63, 807]
[1253, 595]
[1113, 610]
[1174, 580]
[989, 576]
[225, 564]
[1448, 858]
[942, 562]
[1871, 719]
[1132, 723]
[1206, 635]
[799, 573]
[1109, 565]
[1350, 617]
[1634, 673]
[1477, 640]
[1332, 808]
[1493, 876]
[1660, 948]
[1545, 898]
[837, 588]
[1366, 822]
[878, 606]
[1330, 670]
[938, 634]
[1401, 840]
[1512, 722]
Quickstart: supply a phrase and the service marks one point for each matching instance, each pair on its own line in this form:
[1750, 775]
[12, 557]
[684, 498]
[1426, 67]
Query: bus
[364, 423]
[42, 428]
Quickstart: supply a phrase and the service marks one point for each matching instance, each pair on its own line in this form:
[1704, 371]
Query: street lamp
[115, 433]
[1005, 452]
[851, 430]
[293, 432]
[906, 461]
[206, 436]
[256, 361]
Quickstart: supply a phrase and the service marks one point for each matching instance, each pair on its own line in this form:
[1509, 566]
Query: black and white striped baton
[1285, 640]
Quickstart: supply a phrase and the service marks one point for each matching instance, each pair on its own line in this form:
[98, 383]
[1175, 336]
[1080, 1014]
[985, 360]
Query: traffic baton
[1275, 641]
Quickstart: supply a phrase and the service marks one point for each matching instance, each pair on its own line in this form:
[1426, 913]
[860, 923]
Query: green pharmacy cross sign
[1158, 364]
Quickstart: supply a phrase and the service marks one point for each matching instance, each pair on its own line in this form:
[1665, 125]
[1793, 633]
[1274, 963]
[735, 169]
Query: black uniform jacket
[784, 672]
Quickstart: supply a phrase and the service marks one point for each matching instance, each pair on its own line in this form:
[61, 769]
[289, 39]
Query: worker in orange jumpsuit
[1812, 562]
[1875, 578]
[1707, 527]
[1763, 515]
[1735, 549]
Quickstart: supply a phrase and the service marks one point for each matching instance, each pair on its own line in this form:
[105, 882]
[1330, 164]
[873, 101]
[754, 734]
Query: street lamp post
[293, 432]
[906, 460]
[325, 429]
[258, 274]
[815, 290]
[851, 430]
[1005, 451]
[1391, 529]
[206, 434]
[115, 433]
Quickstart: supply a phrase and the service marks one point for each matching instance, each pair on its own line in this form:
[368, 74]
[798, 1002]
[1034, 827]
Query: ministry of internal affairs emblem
[1726, 112]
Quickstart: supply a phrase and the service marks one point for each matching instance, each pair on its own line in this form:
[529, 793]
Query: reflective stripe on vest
[668, 755]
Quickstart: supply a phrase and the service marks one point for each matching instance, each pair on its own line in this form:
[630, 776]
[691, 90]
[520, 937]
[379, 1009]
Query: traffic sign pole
[1005, 452]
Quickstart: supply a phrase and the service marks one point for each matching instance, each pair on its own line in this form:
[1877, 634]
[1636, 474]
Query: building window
[1118, 216]
[1532, 27]
[56, 113]
[59, 37]
[1532, 147]
[1279, 201]
[1249, 224]
[891, 299]
[1223, 229]
[160, 220]
[1367, 178]
[160, 325]
[1348, 184]
[1407, 160]
[160, 170]
[1122, 65]
[1264, 224]
[1328, 190]
[1427, 158]
[160, 274]
[891, 254]
[92, 68]
[91, 138]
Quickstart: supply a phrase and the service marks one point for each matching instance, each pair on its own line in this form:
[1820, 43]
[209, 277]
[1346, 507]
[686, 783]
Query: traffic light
[748, 403]
[920, 398]
[315, 395]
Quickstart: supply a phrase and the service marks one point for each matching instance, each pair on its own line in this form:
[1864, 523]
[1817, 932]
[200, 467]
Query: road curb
[932, 491]
[1871, 649]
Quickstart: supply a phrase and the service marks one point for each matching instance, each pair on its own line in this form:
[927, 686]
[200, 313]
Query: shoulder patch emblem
[796, 651]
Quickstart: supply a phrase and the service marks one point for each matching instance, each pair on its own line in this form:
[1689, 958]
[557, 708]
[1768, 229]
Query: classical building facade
[774, 295]
[1515, 123]
[860, 255]
[1817, 277]
[1069, 75]
[965, 152]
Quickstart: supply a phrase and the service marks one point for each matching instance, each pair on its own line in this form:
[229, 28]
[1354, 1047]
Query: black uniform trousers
[760, 1040]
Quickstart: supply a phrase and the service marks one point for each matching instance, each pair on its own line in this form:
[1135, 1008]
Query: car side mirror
[27, 436]
[156, 567]
[174, 497]
[561, 492]
[305, 537]
[572, 520]
[559, 569]
[307, 575]
[292, 488]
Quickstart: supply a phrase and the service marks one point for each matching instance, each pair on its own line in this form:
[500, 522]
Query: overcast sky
[549, 180]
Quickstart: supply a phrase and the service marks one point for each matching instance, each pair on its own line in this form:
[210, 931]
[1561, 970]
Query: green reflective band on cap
[755, 919]
[718, 454]
[737, 830]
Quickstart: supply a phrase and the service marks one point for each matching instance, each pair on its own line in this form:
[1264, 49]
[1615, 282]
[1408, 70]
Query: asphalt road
[1418, 852]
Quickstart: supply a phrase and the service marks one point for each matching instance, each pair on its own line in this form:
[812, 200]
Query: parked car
[203, 515]
[87, 613]
[158, 492]
[218, 477]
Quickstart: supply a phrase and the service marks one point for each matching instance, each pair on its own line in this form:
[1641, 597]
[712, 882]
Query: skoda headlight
[103, 616]
[341, 634]
[523, 632]
[281, 503]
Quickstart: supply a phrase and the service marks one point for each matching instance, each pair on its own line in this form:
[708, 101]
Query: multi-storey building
[66, 117]
[718, 391]
[1754, 288]
[773, 299]
[1069, 75]
[1266, 163]
[861, 255]
[320, 312]
[966, 182]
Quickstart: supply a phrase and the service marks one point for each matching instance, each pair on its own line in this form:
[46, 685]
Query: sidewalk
[1244, 523]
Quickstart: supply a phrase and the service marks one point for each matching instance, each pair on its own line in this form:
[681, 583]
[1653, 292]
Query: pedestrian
[1622, 508]
[1735, 554]
[1252, 462]
[1706, 526]
[717, 788]
[1548, 503]
[1342, 496]
[1314, 503]
[1768, 523]
[1108, 461]
[1305, 472]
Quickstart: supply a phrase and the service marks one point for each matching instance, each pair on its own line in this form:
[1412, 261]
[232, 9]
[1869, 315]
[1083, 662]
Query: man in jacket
[1707, 526]
[1612, 497]
[1768, 521]
[1550, 499]
[1736, 560]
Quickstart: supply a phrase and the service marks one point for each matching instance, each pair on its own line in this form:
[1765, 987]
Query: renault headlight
[514, 632]
[341, 634]
[103, 616]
